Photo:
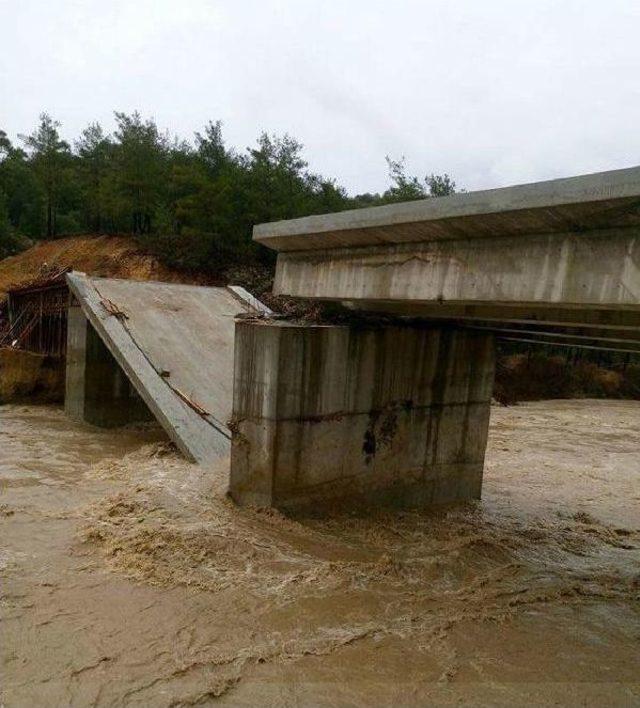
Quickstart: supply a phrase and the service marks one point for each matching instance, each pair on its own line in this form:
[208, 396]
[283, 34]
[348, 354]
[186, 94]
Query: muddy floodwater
[128, 578]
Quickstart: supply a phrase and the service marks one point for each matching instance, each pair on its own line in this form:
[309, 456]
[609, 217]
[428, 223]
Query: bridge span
[557, 255]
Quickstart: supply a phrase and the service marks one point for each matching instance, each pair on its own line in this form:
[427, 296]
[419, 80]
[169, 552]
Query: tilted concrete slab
[175, 344]
[565, 252]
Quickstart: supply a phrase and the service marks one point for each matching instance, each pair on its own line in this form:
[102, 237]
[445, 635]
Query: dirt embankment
[107, 256]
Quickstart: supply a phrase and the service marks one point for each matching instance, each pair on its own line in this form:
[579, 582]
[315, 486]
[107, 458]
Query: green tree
[94, 150]
[211, 149]
[440, 185]
[23, 197]
[49, 156]
[405, 188]
[140, 162]
[278, 185]
[9, 239]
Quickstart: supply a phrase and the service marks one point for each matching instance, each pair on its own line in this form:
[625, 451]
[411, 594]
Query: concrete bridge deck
[560, 257]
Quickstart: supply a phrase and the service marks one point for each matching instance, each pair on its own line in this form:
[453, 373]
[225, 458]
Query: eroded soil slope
[106, 256]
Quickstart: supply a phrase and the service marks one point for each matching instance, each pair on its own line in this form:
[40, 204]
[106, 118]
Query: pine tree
[49, 156]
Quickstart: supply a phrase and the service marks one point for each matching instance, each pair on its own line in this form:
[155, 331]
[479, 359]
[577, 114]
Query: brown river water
[128, 578]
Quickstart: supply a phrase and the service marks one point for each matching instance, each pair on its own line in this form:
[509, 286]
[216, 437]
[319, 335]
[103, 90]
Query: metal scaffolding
[37, 316]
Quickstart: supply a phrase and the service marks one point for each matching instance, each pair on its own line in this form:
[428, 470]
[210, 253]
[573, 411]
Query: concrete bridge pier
[97, 391]
[388, 415]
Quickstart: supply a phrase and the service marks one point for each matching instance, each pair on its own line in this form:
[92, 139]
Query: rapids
[128, 577]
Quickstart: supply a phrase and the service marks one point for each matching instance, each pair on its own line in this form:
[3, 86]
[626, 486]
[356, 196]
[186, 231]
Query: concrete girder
[597, 269]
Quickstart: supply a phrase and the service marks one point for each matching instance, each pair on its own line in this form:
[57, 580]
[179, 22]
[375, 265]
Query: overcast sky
[494, 92]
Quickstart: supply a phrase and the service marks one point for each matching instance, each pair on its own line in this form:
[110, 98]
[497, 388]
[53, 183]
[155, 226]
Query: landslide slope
[107, 256]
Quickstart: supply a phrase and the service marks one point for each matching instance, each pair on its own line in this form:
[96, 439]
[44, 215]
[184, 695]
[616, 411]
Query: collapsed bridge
[140, 350]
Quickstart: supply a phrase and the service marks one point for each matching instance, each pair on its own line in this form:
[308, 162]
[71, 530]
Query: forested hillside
[193, 203]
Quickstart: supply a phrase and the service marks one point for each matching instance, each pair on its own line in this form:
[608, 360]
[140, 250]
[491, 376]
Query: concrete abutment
[388, 415]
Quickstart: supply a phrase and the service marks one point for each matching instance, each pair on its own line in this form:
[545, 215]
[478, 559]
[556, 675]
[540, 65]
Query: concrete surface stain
[128, 578]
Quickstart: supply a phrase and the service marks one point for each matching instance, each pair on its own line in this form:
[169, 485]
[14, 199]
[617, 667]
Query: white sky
[494, 92]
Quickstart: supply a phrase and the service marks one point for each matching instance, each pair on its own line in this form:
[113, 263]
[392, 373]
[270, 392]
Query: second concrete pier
[393, 415]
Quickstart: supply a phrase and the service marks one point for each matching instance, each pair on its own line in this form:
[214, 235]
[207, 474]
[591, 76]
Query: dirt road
[129, 579]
